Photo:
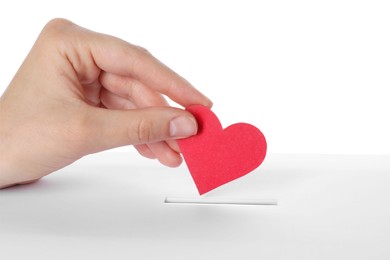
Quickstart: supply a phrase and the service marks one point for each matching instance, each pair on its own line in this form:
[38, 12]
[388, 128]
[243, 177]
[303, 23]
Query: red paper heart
[216, 156]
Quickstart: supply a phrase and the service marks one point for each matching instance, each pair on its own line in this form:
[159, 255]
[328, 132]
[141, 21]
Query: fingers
[173, 145]
[121, 58]
[112, 101]
[145, 151]
[167, 156]
[168, 153]
[89, 53]
[126, 88]
[114, 128]
[131, 89]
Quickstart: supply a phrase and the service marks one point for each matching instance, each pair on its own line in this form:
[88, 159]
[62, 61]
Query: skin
[80, 92]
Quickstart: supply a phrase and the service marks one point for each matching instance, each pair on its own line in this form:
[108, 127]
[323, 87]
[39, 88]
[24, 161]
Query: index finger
[119, 57]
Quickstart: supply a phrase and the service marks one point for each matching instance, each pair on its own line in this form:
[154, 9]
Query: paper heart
[216, 156]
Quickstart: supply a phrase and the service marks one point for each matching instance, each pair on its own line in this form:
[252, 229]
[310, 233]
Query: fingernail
[182, 126]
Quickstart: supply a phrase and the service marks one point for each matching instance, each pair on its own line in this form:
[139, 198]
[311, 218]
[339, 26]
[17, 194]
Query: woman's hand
[80, 92]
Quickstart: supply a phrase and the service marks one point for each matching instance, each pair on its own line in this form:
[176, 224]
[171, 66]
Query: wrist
[10, 164]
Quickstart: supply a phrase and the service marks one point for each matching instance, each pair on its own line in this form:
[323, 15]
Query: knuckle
[57, 23]
[56, 33]
[145, 133]
[143, 50]
[56, 27]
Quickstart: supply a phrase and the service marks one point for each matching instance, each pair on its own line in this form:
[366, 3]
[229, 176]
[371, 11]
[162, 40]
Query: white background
[314, 76]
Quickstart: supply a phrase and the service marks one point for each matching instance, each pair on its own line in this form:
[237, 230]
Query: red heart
[216, 156]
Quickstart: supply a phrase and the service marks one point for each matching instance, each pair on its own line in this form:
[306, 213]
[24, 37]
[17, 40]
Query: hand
[80, 92]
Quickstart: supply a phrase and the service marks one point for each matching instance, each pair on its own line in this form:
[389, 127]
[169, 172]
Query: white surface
[111, 206]
[312, 75]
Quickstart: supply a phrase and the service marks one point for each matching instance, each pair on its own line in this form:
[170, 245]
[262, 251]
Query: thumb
[113, 128]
